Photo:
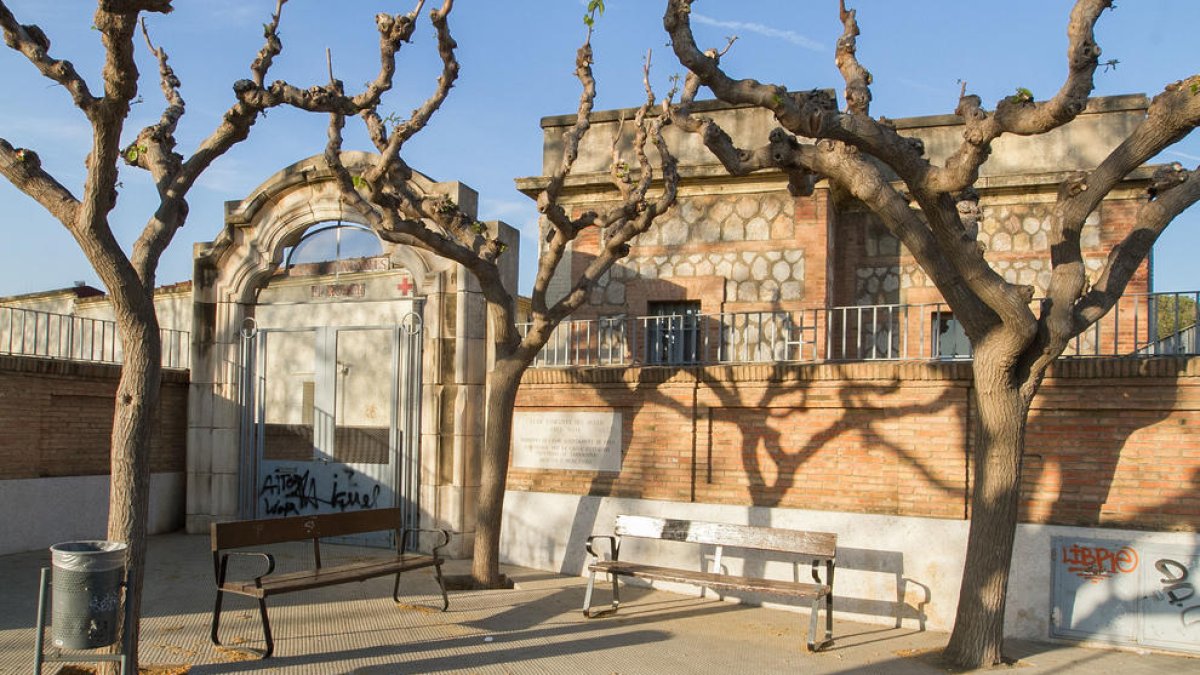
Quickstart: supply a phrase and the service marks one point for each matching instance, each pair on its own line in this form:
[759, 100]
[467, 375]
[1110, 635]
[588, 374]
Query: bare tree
[130, 276]
[1013, 344]
[399, 212]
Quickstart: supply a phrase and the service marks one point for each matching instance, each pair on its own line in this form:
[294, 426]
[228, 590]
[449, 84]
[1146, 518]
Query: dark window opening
[949, 339]
[673, 332]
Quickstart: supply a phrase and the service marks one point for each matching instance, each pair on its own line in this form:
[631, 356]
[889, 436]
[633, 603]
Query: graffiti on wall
[1127, 592]
[287, 491]
[1177, 591]
[1097, 563]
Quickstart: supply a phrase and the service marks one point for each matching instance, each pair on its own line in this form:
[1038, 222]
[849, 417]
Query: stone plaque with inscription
[585, 441]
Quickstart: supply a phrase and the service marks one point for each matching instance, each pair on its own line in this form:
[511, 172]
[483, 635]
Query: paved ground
[535, 628]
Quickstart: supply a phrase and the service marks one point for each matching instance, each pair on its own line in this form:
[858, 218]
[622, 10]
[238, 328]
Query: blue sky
[517, 61]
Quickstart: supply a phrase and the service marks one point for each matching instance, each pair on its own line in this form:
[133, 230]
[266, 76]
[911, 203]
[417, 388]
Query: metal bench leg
[828, 619]
[216, 620]
[812, 624]
[262, 610]
[813, 644]
[587, 597]
[437, 569]
[616, 593]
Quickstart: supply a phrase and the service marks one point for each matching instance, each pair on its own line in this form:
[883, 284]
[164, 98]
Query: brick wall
[56, 417]
[1110, 442]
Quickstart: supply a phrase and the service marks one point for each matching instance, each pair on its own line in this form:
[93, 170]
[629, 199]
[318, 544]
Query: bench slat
[328, 576]
[712, 580]
[815, 544]
[298, 528]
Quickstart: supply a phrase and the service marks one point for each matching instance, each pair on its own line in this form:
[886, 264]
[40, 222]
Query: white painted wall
[889, 569]
[74, 508]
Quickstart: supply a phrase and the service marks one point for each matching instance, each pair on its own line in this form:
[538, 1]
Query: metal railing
[1139, 325]
[30, 332]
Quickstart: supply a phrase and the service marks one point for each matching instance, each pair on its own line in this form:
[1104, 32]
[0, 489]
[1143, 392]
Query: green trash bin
[86, 582]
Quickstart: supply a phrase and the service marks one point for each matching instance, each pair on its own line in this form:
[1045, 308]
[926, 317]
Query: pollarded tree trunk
[1002, 413]
[133, 425]
[502, 385]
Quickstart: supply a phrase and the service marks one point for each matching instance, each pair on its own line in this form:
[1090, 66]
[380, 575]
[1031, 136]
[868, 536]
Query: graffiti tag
[1176, 590]
[288, 493]
[1097, 563]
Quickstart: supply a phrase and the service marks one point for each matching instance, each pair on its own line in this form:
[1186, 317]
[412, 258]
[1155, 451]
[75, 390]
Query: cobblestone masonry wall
[1014, 237]
[752, 249]
[56, 419]
[1114, 443]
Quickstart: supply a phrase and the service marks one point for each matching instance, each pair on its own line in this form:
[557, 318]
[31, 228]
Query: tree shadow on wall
[772, 462]
[774, 466]
[1101, 474]
[1079, 450]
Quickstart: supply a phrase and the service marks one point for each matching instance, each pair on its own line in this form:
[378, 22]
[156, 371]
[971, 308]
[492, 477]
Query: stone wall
[743, 251]
[874, 269]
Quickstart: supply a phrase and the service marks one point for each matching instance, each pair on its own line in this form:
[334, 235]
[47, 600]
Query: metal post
[39, 639]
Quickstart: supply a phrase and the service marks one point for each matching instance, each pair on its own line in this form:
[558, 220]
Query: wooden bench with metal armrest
[818, 547]
[249, 533]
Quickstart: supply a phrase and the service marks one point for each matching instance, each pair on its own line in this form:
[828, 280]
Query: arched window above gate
[333, 243]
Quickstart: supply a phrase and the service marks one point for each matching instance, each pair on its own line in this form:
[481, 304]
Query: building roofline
[89, 294]
[79, 292]
[1096, 105]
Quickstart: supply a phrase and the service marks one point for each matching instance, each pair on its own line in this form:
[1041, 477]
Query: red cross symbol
[405, 286]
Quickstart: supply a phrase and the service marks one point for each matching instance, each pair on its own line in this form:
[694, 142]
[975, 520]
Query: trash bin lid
[88, 556]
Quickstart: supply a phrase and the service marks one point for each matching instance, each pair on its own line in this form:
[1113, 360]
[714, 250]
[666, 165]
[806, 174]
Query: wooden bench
[247, 533]
[818, 547]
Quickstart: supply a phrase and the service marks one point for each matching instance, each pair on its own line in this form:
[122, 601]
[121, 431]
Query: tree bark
[1002, 412]
[503, 382]
[133, 425]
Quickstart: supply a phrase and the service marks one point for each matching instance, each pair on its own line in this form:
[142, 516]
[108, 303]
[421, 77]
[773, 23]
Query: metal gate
[1126, 592]
[331, 420]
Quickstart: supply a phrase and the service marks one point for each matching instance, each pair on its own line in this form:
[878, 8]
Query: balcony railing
[28, 332]
[1140, 325]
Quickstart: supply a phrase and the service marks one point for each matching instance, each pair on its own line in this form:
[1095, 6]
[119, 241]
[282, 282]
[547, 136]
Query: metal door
[334, 424]
[1127, 592]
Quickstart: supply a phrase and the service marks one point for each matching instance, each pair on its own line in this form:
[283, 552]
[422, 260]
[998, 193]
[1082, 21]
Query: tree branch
[420, 117]
[1125, 258]
[1019, 114]
[1066, 313]
[154, 148]
[24, 170]
[31, 41]
[619, 224]
[858, 78]
[561, 228]
[107, 117]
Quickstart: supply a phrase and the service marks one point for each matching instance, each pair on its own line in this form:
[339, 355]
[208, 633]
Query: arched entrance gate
[331, 392]
[331, 370]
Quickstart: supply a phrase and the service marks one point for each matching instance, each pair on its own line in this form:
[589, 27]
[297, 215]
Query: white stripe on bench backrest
[819, 544]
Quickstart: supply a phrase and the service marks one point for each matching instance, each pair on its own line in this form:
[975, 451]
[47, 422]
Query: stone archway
[230, 273]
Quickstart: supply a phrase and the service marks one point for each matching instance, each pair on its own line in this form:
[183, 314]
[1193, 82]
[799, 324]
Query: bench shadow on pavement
[504, 648]
[514, 635]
